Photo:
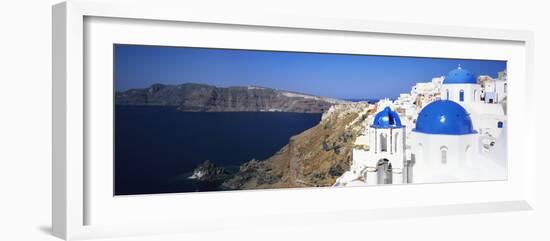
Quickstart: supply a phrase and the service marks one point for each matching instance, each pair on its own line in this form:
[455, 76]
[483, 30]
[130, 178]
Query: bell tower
[386, 149]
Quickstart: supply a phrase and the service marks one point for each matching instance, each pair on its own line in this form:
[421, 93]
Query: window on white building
[443, 155]
[395, 145]
[461, 97]
[383, 142]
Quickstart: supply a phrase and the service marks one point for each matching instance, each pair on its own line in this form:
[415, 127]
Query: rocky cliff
[206, 98]
[208, 171]
[315, 157]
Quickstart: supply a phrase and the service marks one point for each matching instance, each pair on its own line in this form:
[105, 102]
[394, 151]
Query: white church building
[385, 152]
[454, 138]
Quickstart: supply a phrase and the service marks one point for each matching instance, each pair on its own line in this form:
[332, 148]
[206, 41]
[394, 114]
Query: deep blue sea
[157, 148]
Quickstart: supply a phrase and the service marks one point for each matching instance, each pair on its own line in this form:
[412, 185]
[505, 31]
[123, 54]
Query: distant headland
[191, 97]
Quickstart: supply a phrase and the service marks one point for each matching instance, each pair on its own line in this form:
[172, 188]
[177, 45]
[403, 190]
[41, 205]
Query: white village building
[454, 135]
[494, 90]
[383, 150]
[488, 117]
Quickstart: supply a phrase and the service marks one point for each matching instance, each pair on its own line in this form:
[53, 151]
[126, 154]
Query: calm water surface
[157, 148]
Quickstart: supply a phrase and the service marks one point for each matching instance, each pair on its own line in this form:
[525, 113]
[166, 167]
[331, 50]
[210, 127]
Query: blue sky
[333, 75]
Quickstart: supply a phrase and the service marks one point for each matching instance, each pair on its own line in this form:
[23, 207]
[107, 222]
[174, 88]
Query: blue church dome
[386, 119]
[444, 117]
[460, 76]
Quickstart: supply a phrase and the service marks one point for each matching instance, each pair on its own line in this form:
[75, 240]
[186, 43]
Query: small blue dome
[444, 117]
[386, 119]
[460, 76]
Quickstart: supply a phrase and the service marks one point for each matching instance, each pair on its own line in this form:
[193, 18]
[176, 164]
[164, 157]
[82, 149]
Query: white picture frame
[75, 191]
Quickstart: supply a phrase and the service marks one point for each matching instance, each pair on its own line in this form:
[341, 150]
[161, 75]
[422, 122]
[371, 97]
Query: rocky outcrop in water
[206, 98]
[208, 171]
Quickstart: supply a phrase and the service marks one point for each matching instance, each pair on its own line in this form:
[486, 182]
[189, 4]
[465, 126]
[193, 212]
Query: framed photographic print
[177, 121]
[191, 119]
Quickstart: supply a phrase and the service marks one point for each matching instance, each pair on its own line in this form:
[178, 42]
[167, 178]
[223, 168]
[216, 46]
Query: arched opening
[505, 87]
[461, 96]
[383, 142]
[475, 95]
[396, 137]
[392, 137]
[419, 155]
[443, 150]
[500, 124]
[373, 136]
[447, 94]
[384, 171]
